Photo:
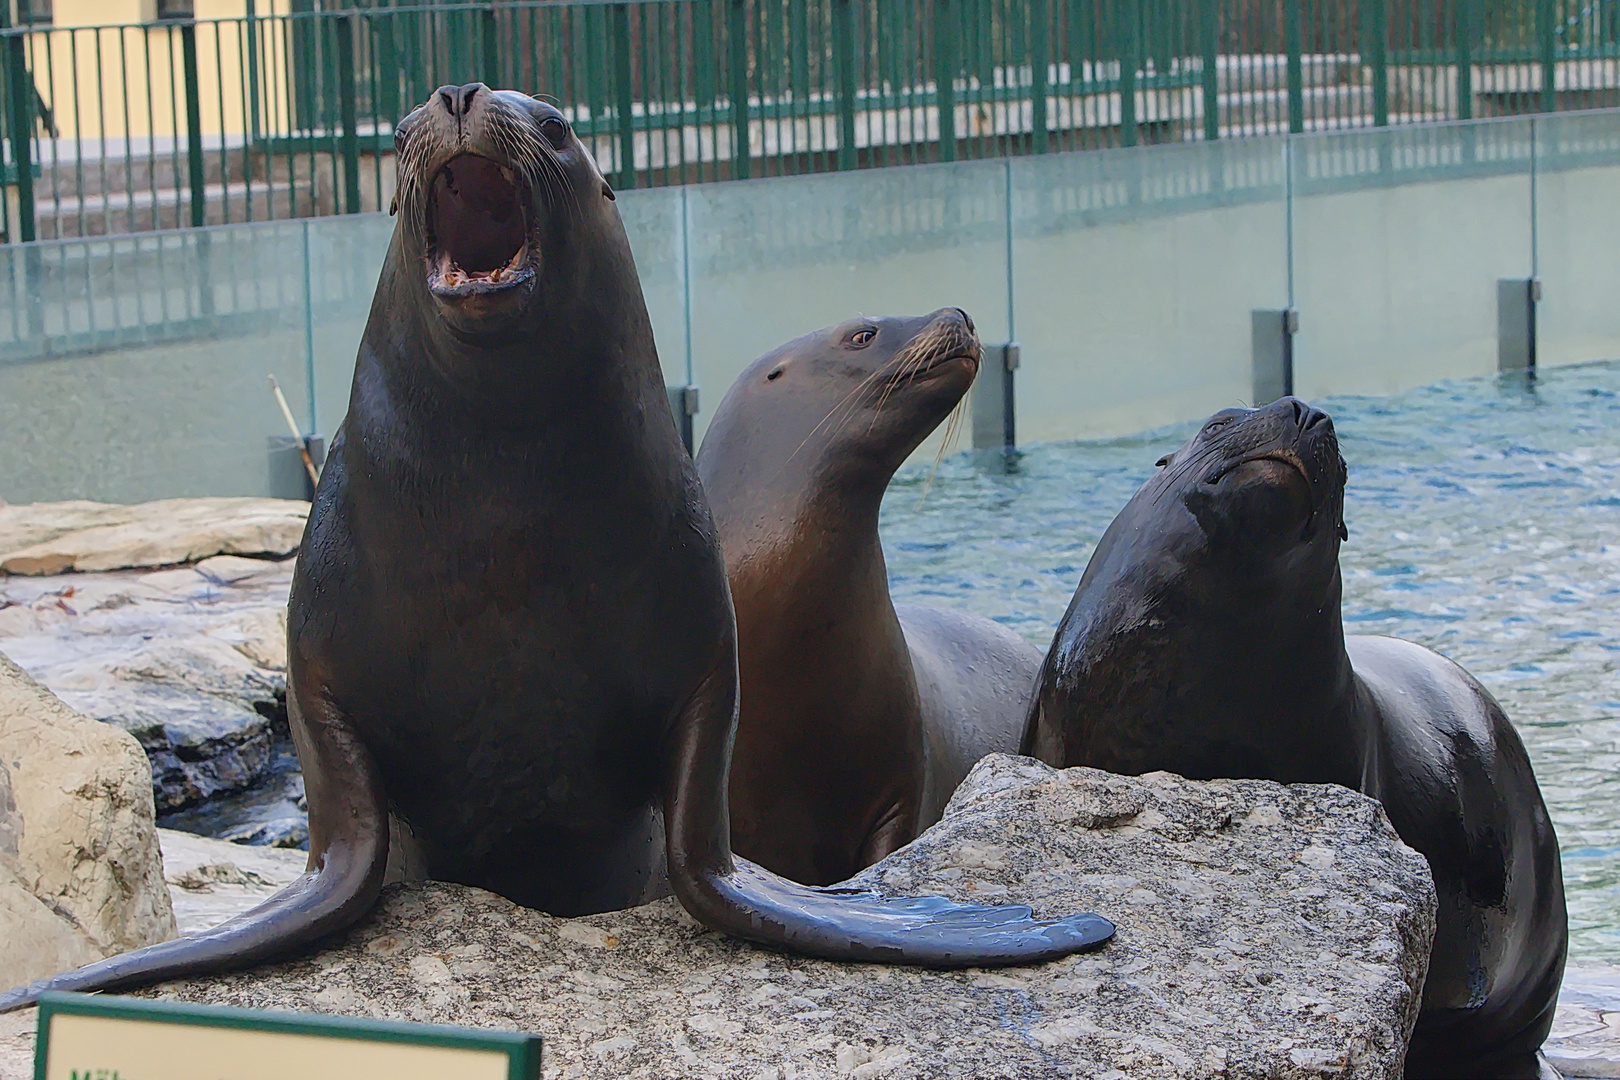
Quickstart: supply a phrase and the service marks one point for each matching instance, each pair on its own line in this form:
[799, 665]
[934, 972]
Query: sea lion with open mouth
[1205, 639]
[858, 717]
[512, 658]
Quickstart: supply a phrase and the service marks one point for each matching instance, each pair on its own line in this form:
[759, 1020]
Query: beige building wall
[106, 73]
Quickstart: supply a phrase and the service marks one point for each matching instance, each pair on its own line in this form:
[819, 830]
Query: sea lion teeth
[899, 704]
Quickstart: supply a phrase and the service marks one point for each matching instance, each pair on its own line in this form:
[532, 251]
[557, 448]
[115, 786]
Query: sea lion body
[857, 718]
[1205, 639]
[511, 651]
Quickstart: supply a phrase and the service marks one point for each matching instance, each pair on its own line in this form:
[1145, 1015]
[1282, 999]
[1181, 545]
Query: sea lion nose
[458, 100]
[967, 319]
[1309, 417]
[1305, 416]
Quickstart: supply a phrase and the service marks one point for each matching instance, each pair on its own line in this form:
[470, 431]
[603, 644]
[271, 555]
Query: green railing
[113, 129]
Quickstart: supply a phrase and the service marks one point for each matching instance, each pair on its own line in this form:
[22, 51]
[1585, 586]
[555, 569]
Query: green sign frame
[522, 1050]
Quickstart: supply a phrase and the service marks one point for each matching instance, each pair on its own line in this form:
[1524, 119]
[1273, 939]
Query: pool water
[1484, 519]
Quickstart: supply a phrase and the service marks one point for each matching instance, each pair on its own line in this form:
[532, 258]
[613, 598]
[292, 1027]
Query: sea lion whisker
[848, 399]
[952, 428]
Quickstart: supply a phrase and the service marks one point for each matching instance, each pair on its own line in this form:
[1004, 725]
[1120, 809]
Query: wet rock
[212, 880]
[49, 538]
[80, 875]
[1585, 1039]
[1243, 951]
[189, 660]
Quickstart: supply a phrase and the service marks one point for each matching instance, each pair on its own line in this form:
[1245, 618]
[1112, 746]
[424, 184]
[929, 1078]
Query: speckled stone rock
[1264, 931]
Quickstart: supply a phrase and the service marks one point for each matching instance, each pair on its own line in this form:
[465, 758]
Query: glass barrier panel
[1136, 273]
[1578, 237]
[134, 367]
[773, 259]
[1400, 237]
[345, 258]
[652, 220]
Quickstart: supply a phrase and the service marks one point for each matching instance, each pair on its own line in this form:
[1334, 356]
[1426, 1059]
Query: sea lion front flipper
[737, 897]
[348, 851]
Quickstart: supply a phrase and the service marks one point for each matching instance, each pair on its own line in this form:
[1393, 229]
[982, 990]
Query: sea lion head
[848, 403]
[1260, 492]
[493, 185]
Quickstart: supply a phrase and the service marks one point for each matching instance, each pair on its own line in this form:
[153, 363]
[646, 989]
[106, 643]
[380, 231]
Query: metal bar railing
[274, 115]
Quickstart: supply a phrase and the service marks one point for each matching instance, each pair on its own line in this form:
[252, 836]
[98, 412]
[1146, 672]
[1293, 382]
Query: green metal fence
[113, 129]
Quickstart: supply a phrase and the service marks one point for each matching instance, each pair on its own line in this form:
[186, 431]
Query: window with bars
[34, 13]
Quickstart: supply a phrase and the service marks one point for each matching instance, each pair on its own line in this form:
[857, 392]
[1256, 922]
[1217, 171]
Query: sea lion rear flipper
[348, 845]
[737, 897]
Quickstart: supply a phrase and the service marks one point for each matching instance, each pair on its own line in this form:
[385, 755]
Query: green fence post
[947, 31]
[196, 177]
[1547, 40]
[348, 113]
[1130, 60]
[1212, 86]
[1296, 71]
[252, 46]
[737, 32]
[1466, 14]
[624, 97]
[1040, 26]
[1376, 49]
[490, 33]
[844, 45]
[20, 90]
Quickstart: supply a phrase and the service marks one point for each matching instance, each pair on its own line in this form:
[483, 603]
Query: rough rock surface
[79, 863]
[49, 538]
[190, 661]
[1264, 931]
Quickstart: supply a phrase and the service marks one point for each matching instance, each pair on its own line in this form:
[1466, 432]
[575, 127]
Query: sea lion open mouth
[477, 229]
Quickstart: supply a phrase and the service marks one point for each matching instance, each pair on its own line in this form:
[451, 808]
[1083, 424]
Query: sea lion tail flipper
[348, 855]
[735, 896]
[928, 931]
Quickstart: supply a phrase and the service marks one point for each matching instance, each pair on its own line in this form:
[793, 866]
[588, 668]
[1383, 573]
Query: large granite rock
[49, 538]
[1264, 931]
[191, 661]
[80, 872]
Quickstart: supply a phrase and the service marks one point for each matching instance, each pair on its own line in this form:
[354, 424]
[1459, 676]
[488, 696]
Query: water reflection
[1484, 521]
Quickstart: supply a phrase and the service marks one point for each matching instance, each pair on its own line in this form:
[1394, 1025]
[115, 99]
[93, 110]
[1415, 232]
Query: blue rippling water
[1484, 521]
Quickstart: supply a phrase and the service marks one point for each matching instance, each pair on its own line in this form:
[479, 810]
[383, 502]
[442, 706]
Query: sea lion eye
[555, 129]
[863, 336]
[1215, 425]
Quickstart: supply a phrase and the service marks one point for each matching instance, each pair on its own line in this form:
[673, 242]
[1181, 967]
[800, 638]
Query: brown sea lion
[1205, 639]
[858, 719]
[512, 658]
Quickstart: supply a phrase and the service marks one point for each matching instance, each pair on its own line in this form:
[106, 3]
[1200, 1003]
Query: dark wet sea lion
[857, 719]
[510, 640]
[1205, 639]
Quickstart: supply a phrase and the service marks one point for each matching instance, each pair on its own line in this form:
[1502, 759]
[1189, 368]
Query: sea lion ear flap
[393, 206]
[1344, 531]
[1162, 462]
[607, 190]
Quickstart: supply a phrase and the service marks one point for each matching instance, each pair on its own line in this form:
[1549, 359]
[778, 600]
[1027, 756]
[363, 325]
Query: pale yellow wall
[101, 61]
